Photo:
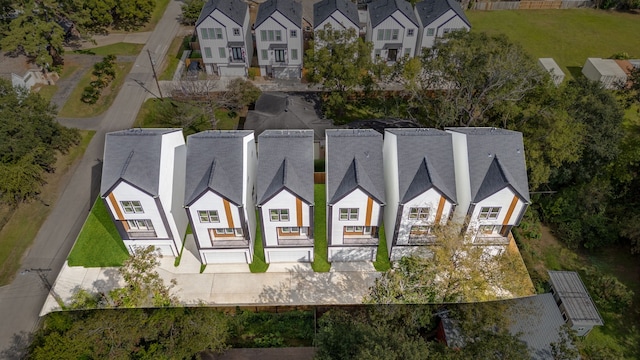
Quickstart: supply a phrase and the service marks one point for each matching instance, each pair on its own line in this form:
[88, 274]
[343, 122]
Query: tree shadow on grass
[575, 71]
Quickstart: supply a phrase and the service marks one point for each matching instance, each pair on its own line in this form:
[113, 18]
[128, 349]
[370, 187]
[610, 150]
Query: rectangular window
[407, 51]
[140, 225]
[380, 34]
[377, 53]
[421, 213]
[294, 54]
[349, 214]
[409, 32]
[218, 33]
[279, 214]
[278, 35]
[394, 34]
[420, 231]
[204, 34]
[236, 32]
[279, 55]
[490, 229]
[207, 52]
[263, 35]
[489, 213]
[387, 34]
[212, 33]
[446, 31]
[237, 53]
[208, 216]
[357, 230]
[132, 207]
[222, 52]
[293, 33]
[264, 54]
[270, 33]
[430, 31]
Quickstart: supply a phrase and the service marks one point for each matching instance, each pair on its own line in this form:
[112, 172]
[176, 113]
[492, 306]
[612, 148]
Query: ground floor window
[357, 230]
[225, 232]
[490, 230]
[293, 231]
[279, 54]
[140, 225]
[420, 234]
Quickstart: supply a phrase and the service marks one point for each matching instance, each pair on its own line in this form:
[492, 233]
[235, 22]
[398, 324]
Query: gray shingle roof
[285, 161]
[578, 304]
[236, 10]
[325, 8]
[134, 156]
[380, 10]
[430, 10]
[290, 9]
[537, 321]
[214, 162]
[354, 159]
[496, 160]
[425, 160]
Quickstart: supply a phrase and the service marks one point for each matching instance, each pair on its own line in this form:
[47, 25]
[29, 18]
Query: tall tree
[191, 11]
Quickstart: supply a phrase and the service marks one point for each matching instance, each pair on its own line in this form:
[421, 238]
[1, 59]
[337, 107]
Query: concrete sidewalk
[232, 284]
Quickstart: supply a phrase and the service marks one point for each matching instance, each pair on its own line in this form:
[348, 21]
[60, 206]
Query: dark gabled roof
[133, 156]
[380, 10]
[354, 159]
[290, 9]
[578, 305]
[285, 161]
[214, 162]
[430, 10]
[236, 10]
[496, 159]
[425, 160]
[325, 8]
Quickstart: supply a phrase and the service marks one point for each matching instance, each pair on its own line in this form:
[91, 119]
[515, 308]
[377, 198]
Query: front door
[392, 55]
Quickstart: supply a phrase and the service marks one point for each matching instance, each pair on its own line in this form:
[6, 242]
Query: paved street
[22, 300]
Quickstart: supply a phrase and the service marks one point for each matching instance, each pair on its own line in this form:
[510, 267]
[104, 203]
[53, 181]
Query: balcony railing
[363, 240]
[142, 234]
[295, 241]
[233, 60]
[230, 242]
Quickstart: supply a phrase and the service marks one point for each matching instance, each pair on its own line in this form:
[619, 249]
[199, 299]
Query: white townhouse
[143, 187]
[220, 194]
[225, 39]
[420, 187]
[438, 18]
[355, 193]
[286, 194]
[279, 40]
[393, 28]
[339, 15]
[491, 182]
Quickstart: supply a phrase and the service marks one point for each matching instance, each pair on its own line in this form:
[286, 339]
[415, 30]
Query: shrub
[90, 95]
[607, 291]
[253, 73]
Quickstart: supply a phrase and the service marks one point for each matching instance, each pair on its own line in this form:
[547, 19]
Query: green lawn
[99, 243]
[75, 108]
[258, 265]
[320, 260]
[123, 49]
[17, 235]
[569, 36]
[173, 57]
[156, 15]
[382, 262]
[226, 119]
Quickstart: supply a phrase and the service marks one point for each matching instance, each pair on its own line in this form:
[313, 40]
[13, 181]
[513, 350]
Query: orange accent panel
[440, 209]
[114, 203]
[367, 219]
[512, 207]
[227, 211]
[299, 212]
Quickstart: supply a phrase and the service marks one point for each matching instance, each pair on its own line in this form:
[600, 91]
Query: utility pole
[45, 281]
[155, 76]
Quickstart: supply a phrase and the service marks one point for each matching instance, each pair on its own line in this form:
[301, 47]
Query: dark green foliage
[104, 72]
[191, 11]
[318, 165]
[262, 329]
[29, 139]
[90, 95]
[607, 291]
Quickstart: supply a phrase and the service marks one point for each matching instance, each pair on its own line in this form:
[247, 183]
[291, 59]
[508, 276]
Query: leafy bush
[90, 95]
[318, 165]
[607, 291]
[269, 341]
[253, 73]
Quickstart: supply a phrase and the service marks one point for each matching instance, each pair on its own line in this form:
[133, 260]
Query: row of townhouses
[232, 189]
[395, 28]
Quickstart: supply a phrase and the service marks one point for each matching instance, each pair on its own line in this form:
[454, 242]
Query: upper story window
[419, 213]
[293, 33]
[132, 207]
[409, 32]
[236, 31]
[349, 214]
[388, 34]
[394, 34]
[279, 214]
[489, 213]
[446, 31]
[270, 35]
[278, 35]
[208, 216]
[430, 31]
[211, 33]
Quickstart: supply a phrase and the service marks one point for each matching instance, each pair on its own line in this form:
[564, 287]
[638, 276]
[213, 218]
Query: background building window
[264, 54]
[430, 31]
[222, 52]
[236, 32]
[293, 33]
[409, 32]
[294, 54]
[207, 52]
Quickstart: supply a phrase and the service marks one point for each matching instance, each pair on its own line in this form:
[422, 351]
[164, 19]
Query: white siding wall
[211, 201]
[338, 21]
[449, 20]
[503, 199]
[429, 199]
[173, 156]
[357, 199]
[390, 165]
[248, 38]
[463, 184]
[219, 20]
[396, 21]
[249, 188]
[278, 22]
[283, 200]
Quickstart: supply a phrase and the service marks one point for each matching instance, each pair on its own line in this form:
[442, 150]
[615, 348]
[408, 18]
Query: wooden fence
[531, 4]
[318, 178]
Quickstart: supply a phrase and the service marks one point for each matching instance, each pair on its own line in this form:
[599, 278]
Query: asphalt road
[21, 301]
